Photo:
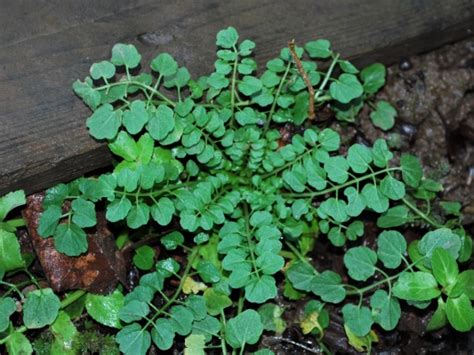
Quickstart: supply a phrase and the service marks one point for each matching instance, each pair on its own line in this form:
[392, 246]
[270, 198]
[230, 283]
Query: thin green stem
[233, 82]
[72, 297]
[277, 94]
[249, 242]
[326, 78]
[300, 256]
[141, 85]
[338, 187]
[421, 214]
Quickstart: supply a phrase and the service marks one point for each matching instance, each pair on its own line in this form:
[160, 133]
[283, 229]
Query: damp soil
[434, 97]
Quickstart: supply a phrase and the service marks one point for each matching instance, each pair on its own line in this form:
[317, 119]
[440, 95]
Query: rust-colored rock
[99, 270]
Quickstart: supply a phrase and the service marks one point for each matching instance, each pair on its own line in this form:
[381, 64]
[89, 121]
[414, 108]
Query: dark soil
[434, 97]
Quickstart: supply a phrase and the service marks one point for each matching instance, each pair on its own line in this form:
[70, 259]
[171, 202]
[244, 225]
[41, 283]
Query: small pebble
[405, 64]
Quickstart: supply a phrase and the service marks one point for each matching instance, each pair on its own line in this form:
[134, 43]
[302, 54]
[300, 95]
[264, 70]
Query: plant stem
[249, 242]
[143, 86]
[338, 187]
[326, 78]
[277, 95]
[232, 91]
[421, 214]
[300, 256]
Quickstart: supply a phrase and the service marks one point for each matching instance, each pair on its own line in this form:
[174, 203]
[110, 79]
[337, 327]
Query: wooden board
[46, 45]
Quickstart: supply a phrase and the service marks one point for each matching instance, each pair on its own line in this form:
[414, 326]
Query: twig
[286, 340]
[304, 75]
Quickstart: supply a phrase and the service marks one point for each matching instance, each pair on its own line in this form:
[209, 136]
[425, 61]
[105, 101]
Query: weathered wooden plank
[45, 46]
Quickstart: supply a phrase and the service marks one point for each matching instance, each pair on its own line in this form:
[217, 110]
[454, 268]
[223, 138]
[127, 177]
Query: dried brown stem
[304, 75]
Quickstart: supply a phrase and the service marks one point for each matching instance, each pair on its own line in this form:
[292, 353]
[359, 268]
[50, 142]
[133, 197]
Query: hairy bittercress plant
[205, 161]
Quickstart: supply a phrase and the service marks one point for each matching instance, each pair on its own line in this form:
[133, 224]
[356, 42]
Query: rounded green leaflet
[18, 343]
[346, 88]
[393, 217]
[171, 240]
[360, 262]
[261, 289]
[103, 69]
[381, 154]
[246, 117]
[245, 48]
[217, 81]
[392, 188]
[374, 198]
[328, 286]
[384, 115]
[347, 67]
[320, 48]
[445, 267]
[70, 239]
[164, 64]
[162, 334]
[299, 208]
[144, 257]
[136, 117]
[124, 146]
[125, 54]
[416, 286]
[439, 319]
[161, 123]
[216, 302]
[464, 284]
[301, 275]
[337, 169]
[270, 263]
[65, 334]
[391, 246]
[7, 308]
[354, 230]
[330, 141]
[356, 203]
[373, 77]
[40, 308]
[84, 213]
[133, 340]
[460, 313]
[358, 319]
[87, 93]
[181, 320]
[227, 38]
[133, 310]
[104, 122]
[385, 310]
[333, 208]
[359, 158]
[163, 211]
[439, 238]
[411, 170]
[10, 252]
[118, 209]
[105, 309]
[336, 236]
[246, 328]
[250, 85]
[49, 221]
[138, 216]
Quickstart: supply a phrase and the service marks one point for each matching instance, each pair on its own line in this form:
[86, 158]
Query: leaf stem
[421, 214]
[277, 95]
[326, 78]
[338, 187]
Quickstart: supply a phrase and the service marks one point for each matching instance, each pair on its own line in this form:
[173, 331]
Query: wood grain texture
[46, 45]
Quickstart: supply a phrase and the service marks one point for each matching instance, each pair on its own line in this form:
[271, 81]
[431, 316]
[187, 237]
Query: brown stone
[99, 270]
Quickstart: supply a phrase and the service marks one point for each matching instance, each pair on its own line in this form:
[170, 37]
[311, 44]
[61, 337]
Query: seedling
[202, 166]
